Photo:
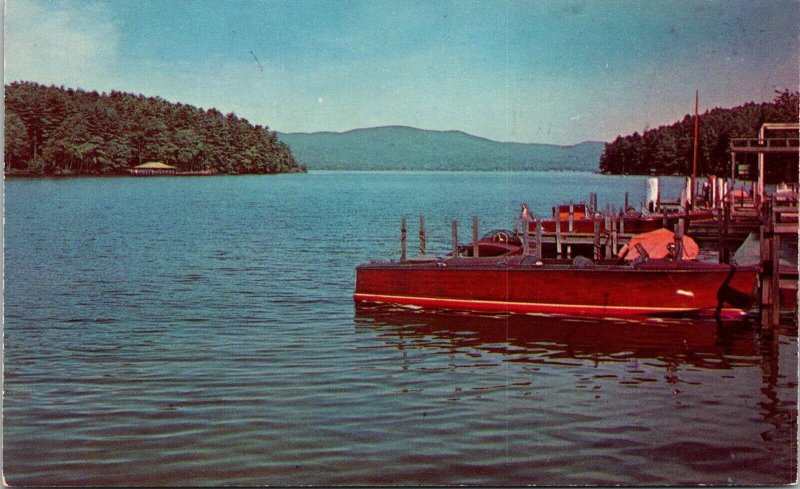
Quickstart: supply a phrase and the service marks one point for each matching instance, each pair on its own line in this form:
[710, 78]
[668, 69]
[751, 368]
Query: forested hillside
[58, 131]
[669, 149]
[408, 148]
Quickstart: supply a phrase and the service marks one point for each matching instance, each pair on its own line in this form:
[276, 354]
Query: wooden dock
[778, 272]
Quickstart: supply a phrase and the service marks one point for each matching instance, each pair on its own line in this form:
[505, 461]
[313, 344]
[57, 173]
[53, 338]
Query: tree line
[64, 131]
[668, 150]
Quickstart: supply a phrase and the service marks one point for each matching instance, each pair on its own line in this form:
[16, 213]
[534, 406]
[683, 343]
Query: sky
[557, 72]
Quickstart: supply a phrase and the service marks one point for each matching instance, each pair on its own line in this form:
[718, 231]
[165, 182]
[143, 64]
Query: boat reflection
[547, 339]
[685, 351]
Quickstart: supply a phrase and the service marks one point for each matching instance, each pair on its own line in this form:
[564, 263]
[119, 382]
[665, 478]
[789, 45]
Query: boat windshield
[491, 234]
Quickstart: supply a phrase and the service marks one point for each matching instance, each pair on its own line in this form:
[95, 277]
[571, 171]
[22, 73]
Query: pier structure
[777, 216]
[778, 272]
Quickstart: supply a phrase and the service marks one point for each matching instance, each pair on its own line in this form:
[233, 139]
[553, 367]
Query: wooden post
[775, 286]
[455, 238]
[597, 254]
[679, 239]
[571, 225]
[558, 234]
[764, 269]
[622, 223]
[712, 189]
[687, 222]
[691, 197]
[775, 256]
[403, 239]
[539, 254]
[526, 238]
[626, 203]
[475, 251]
[422, 236]
[720, 235]
[614, 237]
[726, 206]
[608, 241]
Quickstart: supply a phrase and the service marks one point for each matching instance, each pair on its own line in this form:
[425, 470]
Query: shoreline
[22, 175]
[16, 175]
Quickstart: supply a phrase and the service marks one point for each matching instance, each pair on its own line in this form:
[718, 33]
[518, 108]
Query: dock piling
[614, 237]
[571, 226]
[720, 236]
[475, 247]
[597, 254]
[455, 238]
[775, 286]
[526, 238]
[558, 233]
[538, 239]
[422, 236]
[403, 239]
[679, 228]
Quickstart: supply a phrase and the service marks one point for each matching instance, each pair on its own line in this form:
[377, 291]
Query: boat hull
[658, 288]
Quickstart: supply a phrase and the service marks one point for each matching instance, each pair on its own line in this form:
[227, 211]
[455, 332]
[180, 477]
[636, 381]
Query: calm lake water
[201, 331]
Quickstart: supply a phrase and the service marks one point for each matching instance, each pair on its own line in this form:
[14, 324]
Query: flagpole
[694, 160]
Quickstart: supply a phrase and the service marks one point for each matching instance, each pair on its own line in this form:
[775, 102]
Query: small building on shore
[153, 168]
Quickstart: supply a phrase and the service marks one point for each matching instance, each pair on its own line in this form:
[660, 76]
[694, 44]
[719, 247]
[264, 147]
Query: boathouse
[153, 168]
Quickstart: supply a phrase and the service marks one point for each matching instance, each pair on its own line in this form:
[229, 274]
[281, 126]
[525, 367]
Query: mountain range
[408, 148]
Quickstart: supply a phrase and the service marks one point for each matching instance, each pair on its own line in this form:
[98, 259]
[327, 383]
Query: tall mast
[694, 160]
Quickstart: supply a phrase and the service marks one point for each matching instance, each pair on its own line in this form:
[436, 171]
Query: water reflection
[548, 339]
[723, 379]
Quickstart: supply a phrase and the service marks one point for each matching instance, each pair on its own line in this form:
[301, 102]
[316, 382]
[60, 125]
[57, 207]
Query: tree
[17, 143]
[669, 149]
[52, 130]
[188, 149]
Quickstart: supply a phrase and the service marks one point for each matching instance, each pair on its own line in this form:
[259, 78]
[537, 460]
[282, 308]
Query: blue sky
[547, 71]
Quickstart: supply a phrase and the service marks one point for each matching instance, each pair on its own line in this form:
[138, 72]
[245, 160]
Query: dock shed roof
[155, 165]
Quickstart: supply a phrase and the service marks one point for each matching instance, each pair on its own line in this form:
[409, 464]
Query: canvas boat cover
[657, 244]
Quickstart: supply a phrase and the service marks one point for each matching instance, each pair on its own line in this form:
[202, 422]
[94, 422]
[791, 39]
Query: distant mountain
[407, 148]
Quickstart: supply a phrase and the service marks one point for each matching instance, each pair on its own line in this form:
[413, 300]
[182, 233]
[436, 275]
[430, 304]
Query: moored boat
[580, 287]
[633, 221]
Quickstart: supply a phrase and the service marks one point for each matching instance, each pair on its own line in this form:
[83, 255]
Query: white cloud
[66, 43]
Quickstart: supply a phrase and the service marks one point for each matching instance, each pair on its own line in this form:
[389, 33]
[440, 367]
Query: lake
[201, 331]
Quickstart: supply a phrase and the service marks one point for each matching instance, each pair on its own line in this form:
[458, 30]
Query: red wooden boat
[635, 222]
[519, 284]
